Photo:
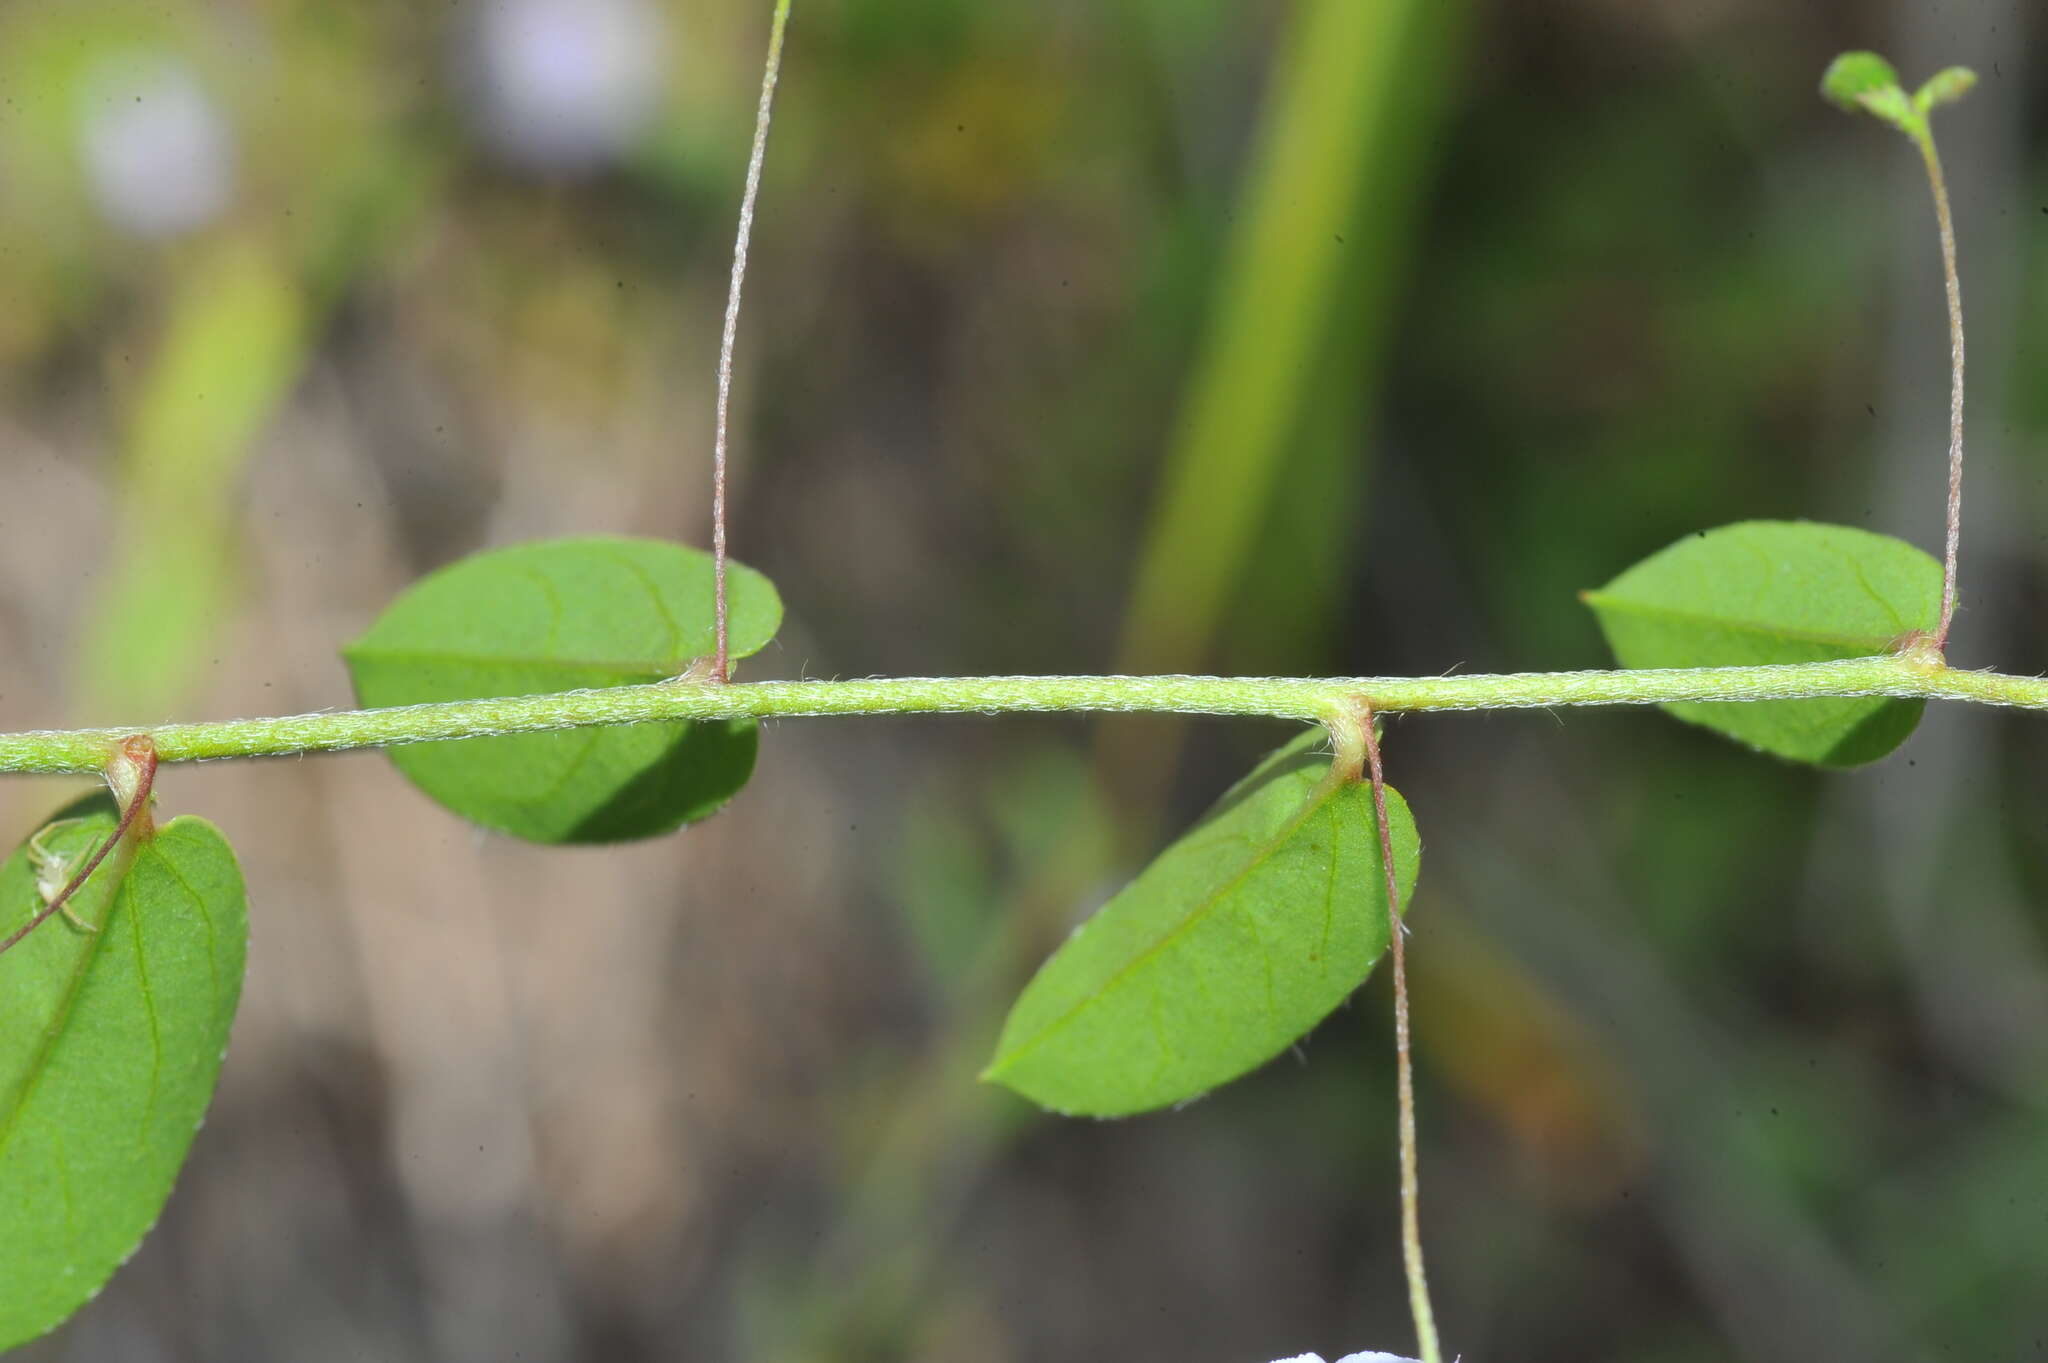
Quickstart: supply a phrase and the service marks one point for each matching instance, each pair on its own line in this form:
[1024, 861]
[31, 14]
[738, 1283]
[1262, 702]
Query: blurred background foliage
[1340, 336]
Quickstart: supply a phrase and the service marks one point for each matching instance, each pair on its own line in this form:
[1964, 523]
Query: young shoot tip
[1865, 82]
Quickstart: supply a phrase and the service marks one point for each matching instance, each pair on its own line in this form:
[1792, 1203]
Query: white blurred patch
[1349, 1358]
[157, 152]
[567, 85]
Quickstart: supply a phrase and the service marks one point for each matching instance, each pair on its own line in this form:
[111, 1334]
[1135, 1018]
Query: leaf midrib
[60, 1019]
[1316, 800]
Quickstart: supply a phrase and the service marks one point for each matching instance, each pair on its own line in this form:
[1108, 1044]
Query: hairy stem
[1411, 1181]
[1924, 139]
[745, 235]
[1303, 698]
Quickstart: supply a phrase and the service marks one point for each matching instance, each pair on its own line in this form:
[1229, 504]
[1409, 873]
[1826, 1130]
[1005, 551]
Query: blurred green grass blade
[1323, 223]
[1778, 592]
[1291, 588]
[1233, 943]
[553, 616]
[233, 347]
[1285, 608]
[109, 1046]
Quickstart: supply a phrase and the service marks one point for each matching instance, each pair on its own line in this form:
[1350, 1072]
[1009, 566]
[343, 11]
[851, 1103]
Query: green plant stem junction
[1315, 699]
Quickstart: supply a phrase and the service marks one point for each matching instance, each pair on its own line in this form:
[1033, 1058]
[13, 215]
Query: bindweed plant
[583, 691]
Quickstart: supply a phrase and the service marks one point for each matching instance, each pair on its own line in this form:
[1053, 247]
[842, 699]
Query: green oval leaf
[109, 1046]
[557, 616]
[1945, 86]
[1853, 77]
[1233, 943]
[1778, 592]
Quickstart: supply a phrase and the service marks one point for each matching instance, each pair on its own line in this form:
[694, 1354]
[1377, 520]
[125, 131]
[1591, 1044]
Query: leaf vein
[1195, 914]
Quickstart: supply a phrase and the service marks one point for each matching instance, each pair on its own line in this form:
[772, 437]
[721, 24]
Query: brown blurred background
[1341, 336]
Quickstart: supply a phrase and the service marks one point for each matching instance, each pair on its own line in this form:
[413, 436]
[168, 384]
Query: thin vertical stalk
[1925, 141]
[745, 235]
[1411, 1182]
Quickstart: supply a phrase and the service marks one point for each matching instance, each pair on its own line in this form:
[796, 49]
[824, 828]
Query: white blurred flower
[157, 153]
[1349, 1358]
[567, 85]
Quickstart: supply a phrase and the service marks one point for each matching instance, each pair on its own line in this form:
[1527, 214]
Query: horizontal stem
[1305, 698]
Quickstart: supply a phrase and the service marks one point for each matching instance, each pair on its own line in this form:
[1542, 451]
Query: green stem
[1304, 698]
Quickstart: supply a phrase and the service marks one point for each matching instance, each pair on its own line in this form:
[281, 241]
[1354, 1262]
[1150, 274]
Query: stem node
[1347, 723]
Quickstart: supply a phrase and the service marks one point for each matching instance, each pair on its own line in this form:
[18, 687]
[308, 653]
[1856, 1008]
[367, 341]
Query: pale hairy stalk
[1952, 282]
[1313, 699]
[1404, 1061]
[741, 239]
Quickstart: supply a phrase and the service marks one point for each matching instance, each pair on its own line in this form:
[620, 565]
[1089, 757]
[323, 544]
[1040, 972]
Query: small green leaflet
[1231, 945]
[1778, 592]
[109, 1046]
[1854, 80]
[557, 616]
